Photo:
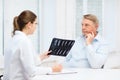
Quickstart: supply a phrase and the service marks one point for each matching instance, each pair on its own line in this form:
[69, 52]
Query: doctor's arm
[44, 55]
[28, 62]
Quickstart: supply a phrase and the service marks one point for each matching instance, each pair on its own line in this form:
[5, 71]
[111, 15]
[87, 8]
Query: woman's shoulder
[22, 40]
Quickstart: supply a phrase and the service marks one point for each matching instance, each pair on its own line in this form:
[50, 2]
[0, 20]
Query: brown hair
[20, 21]
[92, 18]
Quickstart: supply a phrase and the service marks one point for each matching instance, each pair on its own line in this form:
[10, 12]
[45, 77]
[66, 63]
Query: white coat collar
[20, 33]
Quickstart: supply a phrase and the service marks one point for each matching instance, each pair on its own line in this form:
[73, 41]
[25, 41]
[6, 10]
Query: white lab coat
[21, 61]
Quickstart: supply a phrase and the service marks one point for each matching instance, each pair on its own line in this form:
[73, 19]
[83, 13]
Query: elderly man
[90, 49]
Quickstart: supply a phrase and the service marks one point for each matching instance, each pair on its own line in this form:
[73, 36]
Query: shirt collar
[98, 37]
[20, 33]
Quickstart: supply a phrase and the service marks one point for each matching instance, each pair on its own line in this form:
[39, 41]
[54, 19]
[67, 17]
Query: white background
[56, 18]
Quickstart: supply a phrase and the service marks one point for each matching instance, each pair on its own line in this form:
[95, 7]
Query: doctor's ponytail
[15, 24]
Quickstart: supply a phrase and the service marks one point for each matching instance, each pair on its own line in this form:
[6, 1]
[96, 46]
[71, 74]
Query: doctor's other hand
[45, 55]
[57, 68]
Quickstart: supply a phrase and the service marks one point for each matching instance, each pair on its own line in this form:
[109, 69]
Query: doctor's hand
[57, 68]
[44, 55]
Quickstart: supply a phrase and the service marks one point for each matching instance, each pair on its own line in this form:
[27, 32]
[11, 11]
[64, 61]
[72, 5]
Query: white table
[84, 74]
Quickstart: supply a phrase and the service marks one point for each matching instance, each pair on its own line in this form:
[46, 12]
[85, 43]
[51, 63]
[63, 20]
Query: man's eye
[86, 25]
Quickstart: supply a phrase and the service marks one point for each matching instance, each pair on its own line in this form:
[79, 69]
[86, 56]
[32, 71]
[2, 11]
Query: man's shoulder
[79, 38]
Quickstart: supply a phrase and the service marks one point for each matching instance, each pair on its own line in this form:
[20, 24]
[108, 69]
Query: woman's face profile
[33, 27]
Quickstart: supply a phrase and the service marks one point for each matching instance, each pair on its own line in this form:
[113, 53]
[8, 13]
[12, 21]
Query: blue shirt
[88, 56]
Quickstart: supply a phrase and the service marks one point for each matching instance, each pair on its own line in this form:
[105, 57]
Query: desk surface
[84, 74]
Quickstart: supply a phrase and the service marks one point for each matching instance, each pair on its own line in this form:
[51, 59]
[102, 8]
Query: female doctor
[21, 60]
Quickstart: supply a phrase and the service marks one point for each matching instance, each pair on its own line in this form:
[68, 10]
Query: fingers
[47, 52]
[45, 55]
[57, 68]
[89, 38]
[90, 35]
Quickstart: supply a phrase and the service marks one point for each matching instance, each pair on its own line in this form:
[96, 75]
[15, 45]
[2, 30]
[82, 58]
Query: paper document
[63, 72]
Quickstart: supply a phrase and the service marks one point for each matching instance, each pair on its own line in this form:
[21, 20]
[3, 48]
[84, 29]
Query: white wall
[111, 22]
[1, 26]
[117, 24]
[12, 9]
[47, 23]
[57, 18]
[65, 18]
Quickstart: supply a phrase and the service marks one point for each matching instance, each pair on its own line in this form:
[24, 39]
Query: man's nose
[83, 27]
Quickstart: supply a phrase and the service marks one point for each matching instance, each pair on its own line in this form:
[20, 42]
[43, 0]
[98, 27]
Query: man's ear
[96, 26]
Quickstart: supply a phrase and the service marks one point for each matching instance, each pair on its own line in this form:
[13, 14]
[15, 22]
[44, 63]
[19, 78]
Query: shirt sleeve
[28, 61]
[97, 57]
[66, 62]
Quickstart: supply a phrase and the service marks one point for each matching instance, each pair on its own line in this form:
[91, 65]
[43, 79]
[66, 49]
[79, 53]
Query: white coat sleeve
[28, 62]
